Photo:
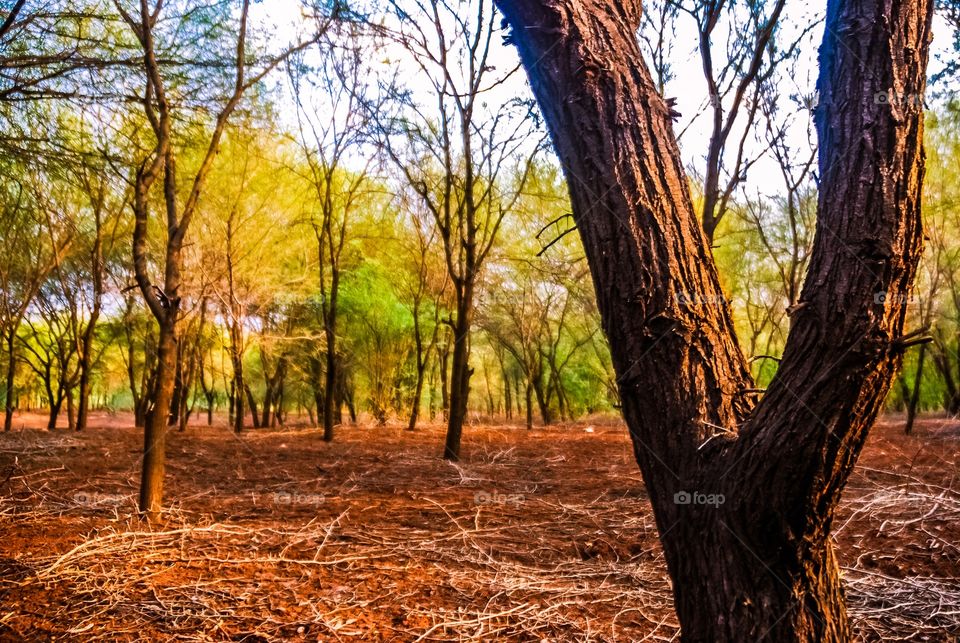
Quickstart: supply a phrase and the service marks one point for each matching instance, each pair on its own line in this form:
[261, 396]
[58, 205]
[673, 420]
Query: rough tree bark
[759, 564]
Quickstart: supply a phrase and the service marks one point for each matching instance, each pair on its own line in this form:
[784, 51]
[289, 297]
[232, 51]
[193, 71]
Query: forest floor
[544, 535]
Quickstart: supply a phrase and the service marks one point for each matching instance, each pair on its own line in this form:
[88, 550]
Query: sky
[687, 85]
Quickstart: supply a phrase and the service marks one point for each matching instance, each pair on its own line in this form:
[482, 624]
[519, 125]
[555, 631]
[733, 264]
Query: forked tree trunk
[743, 489]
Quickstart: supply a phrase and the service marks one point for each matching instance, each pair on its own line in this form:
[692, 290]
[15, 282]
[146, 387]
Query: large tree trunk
[743, 490]
[54, 415]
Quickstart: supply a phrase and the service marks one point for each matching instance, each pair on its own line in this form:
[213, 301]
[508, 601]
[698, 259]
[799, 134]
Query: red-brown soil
[544, 535]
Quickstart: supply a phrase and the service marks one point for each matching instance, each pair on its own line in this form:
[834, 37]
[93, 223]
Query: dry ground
[536, 536]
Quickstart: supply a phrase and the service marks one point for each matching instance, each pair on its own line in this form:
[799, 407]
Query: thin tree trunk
[342, 395]
[542, 402]
[459, 378]
[943, 364]
[83, 387]
[329, 383]
[155, 432]
[89, 332]
[316, 375]
[417, 394]
[432, 369]
[11, 374]
[915, 394]
[422, 356]
[239, 390]
[529, 402]
[231, 403]
[188, 393]
[444, 359]
[252, 401]
[178, 388]
[517, 396]
[71, 411]
[209, 397]
[507, 401]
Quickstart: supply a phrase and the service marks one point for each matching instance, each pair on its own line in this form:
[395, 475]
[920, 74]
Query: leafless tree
[459, 158]
[335, 107]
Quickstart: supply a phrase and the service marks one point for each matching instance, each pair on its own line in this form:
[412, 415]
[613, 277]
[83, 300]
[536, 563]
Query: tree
[331, 129]
[736, 86]
[941, 215]
[381, 340]
[51, 341]
[459, 159]
[164, 301]
[245, 222]
[423, 285]
[755, 562]
[41, 246]
[517, 321]
[104, 211]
